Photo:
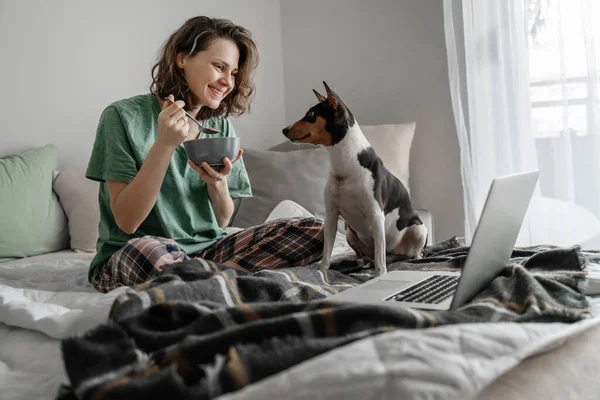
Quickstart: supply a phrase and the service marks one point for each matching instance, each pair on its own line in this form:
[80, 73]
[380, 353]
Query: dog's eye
[310, 114]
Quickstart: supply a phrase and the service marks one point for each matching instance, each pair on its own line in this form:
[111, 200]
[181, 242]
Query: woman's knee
[143, 258]
[309, 225]
[306, 222]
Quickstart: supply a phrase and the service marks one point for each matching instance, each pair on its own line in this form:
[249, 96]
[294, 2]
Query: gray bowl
[212, 150]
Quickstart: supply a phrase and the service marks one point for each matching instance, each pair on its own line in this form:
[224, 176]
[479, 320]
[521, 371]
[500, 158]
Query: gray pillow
[275, 176]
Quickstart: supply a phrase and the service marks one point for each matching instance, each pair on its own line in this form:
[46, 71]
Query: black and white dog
[375, 205]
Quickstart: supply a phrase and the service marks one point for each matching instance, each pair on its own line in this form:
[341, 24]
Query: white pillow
[392, 143]
[79, 198]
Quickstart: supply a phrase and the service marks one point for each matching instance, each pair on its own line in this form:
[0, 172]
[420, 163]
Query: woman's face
[211, 73]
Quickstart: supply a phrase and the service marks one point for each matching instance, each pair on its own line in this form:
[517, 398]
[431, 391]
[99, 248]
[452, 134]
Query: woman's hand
[211, 176]
[172, 124]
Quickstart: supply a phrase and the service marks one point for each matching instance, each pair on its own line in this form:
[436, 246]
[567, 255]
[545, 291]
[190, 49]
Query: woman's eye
[220, 67]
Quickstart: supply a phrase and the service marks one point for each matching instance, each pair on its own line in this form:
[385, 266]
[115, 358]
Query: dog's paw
[380, 270]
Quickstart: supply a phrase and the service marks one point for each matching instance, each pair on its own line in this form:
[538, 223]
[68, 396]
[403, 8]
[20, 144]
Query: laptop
[493, 241]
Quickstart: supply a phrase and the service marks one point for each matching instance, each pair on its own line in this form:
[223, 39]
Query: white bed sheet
[43, 299]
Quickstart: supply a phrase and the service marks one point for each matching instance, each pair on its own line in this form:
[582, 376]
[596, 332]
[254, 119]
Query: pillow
[79, 198]
[32, 222]
[391, 142]
[276, 176]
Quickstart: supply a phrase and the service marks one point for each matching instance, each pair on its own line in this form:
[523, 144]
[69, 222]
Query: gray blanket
[202, 329]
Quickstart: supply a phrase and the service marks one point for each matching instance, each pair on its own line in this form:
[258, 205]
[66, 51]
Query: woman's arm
[132, 202]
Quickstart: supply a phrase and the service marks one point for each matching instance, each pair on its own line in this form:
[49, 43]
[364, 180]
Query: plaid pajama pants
[276, 244]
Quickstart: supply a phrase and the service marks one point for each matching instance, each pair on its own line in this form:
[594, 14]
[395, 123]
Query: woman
[156, 206]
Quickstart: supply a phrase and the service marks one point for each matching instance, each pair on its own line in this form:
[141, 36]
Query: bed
[54, 322]
[46, 299]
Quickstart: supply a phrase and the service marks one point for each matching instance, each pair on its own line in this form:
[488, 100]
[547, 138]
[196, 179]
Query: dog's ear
[331, 96]
[319, 96]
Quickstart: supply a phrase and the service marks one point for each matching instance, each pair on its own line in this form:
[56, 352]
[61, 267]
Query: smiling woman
[156, 206]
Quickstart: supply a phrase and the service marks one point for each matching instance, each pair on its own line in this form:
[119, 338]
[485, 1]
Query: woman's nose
[227, 81]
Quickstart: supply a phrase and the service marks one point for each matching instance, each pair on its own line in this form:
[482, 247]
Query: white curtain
[523, 82]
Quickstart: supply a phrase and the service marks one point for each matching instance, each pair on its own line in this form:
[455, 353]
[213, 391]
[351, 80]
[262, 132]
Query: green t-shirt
[183, 211]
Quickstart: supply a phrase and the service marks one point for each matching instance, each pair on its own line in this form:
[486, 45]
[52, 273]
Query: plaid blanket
[202, 329]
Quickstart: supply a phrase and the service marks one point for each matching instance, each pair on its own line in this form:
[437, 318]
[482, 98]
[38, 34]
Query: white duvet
[45, 299]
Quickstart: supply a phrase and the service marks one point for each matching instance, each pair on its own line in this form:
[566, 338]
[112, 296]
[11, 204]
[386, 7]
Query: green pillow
[32, 220]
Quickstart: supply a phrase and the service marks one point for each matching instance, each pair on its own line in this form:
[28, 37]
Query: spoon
[210, 131]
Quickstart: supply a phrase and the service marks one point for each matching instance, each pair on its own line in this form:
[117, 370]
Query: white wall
[387, 60]
[63, 61]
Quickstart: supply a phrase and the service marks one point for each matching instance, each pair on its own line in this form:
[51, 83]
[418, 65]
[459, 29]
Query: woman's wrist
[163, 148]
[219, 183]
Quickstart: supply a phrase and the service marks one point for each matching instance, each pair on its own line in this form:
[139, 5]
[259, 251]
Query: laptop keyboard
[432, 290]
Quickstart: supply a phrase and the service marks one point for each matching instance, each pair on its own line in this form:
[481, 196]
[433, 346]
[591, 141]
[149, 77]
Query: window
[563, 69]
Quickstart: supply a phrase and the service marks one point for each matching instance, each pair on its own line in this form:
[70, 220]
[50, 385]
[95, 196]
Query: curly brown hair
[195, 35]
